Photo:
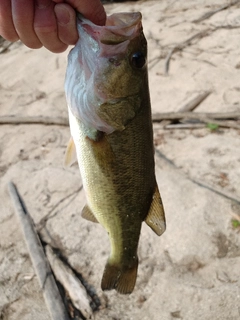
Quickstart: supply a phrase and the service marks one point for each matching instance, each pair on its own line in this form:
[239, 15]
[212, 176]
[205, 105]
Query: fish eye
[138, 60]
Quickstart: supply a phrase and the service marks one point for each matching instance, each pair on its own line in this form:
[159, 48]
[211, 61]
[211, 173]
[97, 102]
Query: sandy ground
[192, 271]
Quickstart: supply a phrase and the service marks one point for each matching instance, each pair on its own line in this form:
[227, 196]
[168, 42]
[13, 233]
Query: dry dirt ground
[191, 272]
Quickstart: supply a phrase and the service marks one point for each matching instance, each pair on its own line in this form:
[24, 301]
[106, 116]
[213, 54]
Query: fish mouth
[124, 26]
[119, 27]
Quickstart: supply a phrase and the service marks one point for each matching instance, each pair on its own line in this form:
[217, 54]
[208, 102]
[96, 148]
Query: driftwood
[59, 121]
[45, 277]
[71, 283]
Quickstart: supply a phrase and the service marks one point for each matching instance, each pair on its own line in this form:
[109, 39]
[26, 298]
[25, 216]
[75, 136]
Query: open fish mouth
[118, 28]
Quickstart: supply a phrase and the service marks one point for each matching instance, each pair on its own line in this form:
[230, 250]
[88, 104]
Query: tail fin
[120, 278]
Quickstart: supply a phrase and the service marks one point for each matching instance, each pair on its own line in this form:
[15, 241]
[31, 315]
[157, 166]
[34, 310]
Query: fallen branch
[209, 14]
[201, 116]
[222, 124]
[195, 102]
[189, 106]
[185, 126]
[71, 283]
[59, 121]
[206, 118]
[45, 277]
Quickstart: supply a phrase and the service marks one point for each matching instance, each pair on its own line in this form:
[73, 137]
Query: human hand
[48, 23]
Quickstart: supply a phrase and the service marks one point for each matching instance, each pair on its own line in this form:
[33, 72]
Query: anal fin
[70, 154]
[88, 215]
[156, 216]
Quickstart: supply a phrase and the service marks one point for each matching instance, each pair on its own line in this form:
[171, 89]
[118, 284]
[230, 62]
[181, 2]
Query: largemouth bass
[110, 121]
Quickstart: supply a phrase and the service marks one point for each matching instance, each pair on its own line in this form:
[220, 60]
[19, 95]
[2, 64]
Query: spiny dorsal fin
[88, 215]
[156, 217]
[70, 154]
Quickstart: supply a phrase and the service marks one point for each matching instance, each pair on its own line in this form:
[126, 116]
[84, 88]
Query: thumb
[90, 9]
[66, 20]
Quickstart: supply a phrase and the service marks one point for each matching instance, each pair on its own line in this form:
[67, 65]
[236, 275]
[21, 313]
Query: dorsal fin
[156, 217]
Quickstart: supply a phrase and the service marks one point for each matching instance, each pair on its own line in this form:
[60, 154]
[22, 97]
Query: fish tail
[120, 278]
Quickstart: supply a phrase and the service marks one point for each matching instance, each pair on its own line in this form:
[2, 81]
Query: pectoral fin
[70, 155]
[88, 215]
[156, 217]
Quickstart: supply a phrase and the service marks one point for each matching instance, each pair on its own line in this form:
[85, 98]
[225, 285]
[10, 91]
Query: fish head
[122, 58]
[107, 66]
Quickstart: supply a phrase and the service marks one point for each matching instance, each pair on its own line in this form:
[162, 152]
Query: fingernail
[62, 15]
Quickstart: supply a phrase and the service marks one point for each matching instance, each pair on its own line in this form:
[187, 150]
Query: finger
[45, 26]
[7, 29]
[92, 10]
[66, 20]
[23, 17]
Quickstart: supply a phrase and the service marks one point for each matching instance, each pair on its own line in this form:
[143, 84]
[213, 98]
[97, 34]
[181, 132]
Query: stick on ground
[195, 102]
[60, 121]
[71, 283]
[189, 106]
[48, 285]
[201, 116]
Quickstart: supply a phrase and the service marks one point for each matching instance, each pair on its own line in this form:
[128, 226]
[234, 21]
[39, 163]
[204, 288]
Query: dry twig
[214, 118]
[59, 121]
[156, 117]
[195, 102]
[185, 126]
[189, 106]
[223, 124]
[71, 283]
